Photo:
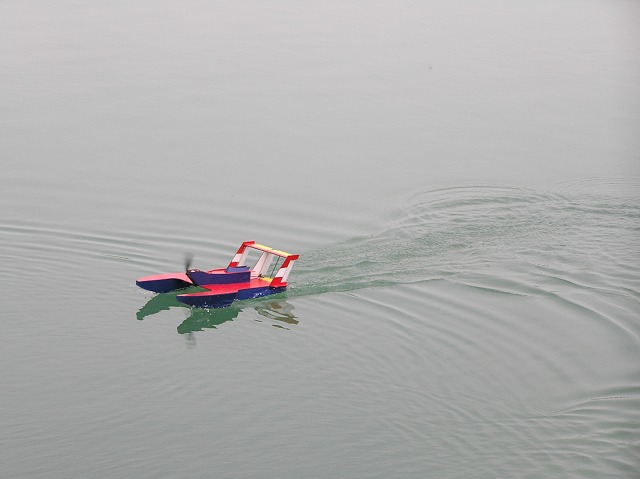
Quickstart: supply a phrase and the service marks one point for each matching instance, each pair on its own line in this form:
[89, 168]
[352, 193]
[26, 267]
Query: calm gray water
[461, 180]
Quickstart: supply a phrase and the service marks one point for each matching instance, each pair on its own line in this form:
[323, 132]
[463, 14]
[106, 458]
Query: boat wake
[511, 240]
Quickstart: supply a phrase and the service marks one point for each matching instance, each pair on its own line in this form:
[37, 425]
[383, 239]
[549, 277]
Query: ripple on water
[479, 320]
[454, 232]
[484, 373]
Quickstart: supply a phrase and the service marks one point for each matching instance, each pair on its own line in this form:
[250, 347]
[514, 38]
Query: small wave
[483, 230]
[629, 393]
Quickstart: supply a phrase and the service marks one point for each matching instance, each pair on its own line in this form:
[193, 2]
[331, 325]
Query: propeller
[188, 259]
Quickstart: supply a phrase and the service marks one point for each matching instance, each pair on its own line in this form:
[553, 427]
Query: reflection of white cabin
[261, 268]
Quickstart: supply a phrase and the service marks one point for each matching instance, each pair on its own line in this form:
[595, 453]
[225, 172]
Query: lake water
[461, 180]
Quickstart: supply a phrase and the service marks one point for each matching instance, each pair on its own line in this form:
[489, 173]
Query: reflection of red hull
[225, 285]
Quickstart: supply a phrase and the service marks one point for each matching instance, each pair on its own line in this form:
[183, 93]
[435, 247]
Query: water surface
[461, 182]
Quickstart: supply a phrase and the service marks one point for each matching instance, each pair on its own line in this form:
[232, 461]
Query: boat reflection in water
[199, 319]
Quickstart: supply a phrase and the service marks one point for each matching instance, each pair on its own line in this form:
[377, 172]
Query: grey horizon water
[460, 178]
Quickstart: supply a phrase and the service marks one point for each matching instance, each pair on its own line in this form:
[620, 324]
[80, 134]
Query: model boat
[236, 282]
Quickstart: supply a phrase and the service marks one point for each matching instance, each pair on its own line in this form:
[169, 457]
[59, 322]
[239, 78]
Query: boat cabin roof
[267, 249]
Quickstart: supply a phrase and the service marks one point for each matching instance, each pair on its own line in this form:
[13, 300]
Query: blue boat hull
[210, 299]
